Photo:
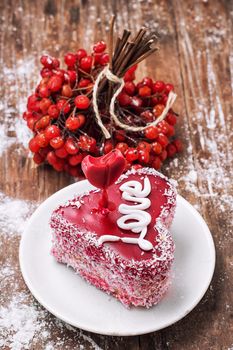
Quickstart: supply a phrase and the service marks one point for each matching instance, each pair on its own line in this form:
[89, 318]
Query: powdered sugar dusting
[20, 77]
[24, 324]
[13, 214]
[6, 141]
[21, 319]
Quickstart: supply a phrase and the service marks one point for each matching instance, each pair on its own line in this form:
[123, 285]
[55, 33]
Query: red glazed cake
[131, 262]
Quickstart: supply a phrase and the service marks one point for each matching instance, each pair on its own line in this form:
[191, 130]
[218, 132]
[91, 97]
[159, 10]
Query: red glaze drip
[99, 224]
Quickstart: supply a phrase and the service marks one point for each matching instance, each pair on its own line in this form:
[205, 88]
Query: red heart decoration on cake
[103, 171]
[77, 232]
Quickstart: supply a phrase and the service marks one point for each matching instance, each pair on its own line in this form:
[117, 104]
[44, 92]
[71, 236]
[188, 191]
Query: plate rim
[110, 332]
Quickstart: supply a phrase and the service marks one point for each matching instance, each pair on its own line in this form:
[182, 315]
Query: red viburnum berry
[75, 122]
[51, 158]
[61, 152]
[97, 57]
[31, 123]
[131, 154]
[163, 127]
[41, 140]
[108, 146]
[33, 145]
[122, 146]
[38, 159]
[44, 151]
[156, 148]
[129, 76]
[124, 99]
[53, 111]
[82, 102]
[144, 91]
[144, 146]
[52, 131]
[56, 63]
[47, 61]
[86, 63]
[104, 59]
[171, 119]
[56, 142]
[75, 159]
[27, 115]
[87, 143]
[84, 83]
[143, 156]
[59, 73]
[158, 110]
[81, 53]
[71, 146]
[59, 164]
[148, 116]
[63, 106]
[164, 99]
[158, 87]
[120, 135]
[132, 69]
[66, 90]
[46, 73]
[33, 104]
[71, 76]
[154, 101]
[163, 140]
[168, 88]
[99, 47]
[136, 102]
[55, 83]
[42, 122]
[70, 59]
[129, 88]
[147, 82]
[151, 132]
[45, 103]
[44, 91]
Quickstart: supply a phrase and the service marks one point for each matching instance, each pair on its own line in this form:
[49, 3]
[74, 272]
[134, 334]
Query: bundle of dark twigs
[127, 51]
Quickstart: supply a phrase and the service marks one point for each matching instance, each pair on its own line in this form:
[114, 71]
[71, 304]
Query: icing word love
[134, 217]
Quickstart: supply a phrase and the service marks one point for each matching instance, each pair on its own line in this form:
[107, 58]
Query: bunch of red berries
[61, 115]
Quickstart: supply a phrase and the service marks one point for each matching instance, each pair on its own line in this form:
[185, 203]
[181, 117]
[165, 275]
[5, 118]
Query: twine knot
[106, 72]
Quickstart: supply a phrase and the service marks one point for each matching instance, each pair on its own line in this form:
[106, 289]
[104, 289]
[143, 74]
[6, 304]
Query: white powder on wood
[18, 81]
[13, 214]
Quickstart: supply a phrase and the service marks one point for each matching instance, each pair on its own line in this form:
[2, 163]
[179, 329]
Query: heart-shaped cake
[127, 252]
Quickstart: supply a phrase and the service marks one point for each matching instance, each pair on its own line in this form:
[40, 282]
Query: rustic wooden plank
[204, 54]
[197, 56]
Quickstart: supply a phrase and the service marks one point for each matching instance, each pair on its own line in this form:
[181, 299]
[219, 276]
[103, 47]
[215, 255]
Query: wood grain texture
[196, 54]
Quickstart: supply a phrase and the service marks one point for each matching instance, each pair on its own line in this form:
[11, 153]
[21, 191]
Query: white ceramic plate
[71, 299]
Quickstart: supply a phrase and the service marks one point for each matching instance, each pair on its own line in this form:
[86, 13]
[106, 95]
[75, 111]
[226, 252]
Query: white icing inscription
[134, 217]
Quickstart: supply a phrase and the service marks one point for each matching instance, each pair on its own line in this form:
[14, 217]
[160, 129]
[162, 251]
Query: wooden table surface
[196, 55]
